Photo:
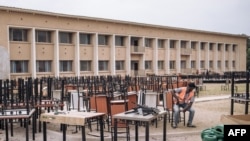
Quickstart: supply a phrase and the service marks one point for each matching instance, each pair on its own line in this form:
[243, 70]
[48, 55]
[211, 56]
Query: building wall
[55, 51]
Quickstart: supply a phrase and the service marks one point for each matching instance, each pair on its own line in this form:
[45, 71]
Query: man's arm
[175, 96]
[189, 105]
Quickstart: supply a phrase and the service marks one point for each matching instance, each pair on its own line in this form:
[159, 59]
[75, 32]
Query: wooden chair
[168, 106]
[118, 106]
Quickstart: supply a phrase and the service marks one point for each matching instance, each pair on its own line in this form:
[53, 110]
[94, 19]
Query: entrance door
[135, 67]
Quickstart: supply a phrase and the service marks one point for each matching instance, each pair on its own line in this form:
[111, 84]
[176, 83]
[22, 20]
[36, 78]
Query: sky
[224, 16]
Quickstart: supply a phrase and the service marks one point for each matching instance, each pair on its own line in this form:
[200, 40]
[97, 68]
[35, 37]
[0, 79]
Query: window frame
[43, 66]
[19, 66]
[85, 65]
[66, 65]
[85, 38]
[18, 34]
[65, 37]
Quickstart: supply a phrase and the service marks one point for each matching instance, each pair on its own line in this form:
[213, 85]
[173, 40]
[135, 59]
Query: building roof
[114, 21]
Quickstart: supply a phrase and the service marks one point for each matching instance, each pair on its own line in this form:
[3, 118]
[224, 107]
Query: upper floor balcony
[137, 50]
[186, 51]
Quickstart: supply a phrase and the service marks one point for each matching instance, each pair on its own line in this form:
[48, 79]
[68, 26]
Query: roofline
[7, 8]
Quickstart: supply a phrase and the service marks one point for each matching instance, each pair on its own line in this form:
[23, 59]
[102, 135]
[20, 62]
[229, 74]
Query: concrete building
[51, 44]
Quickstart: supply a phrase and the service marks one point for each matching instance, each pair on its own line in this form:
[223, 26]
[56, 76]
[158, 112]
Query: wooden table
[71, 118]
[18, 114]
[140, 118]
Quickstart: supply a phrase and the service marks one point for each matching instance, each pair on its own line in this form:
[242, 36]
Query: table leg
[11, 127]
[83, 134]
[147, 131]
[165, 127]
[44, 131]
[34, 126]
[64, 132]
[27, 129]
[115, 129]
[101, 128]
[6, 130]
[136, 131]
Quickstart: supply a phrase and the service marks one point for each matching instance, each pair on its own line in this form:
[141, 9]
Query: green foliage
[248, 54]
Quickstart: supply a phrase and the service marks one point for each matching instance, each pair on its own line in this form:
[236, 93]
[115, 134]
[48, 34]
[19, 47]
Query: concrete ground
[207, 115]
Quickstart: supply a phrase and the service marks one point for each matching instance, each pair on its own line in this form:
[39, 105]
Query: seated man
[184, 98]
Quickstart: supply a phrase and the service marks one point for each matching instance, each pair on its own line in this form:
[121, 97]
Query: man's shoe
[174, 126]
[190, 125]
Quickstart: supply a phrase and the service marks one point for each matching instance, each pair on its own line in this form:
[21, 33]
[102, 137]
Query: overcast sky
[226, 16]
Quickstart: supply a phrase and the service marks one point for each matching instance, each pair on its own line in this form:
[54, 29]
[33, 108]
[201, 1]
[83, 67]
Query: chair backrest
[151, 99]
[148, 98]
[168, 100]
[117, 106]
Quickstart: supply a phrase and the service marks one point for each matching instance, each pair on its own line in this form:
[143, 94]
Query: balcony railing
[186, 51]
[138, 73]
[186, 71]
[137, 49]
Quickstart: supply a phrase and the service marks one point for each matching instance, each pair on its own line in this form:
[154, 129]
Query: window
[226, 64]
[210, 64]
[160, 43]
[17, 34]
[65, 66]
[148, 42]
[193, 45]
[65, 37]
[183, 64]
[119, 41]
[193, 64]
[85, 65]
[172, 44]
[148, 65]
[102, 40]
[43, 66]
[202, 65]
[211, 46]
[119, 65]
[219, 64]
[172, 64]
[234, 48]
[160, 65]
[233, 64]
[85, 39]
[202, 46]
[103, 65]
[183, 44]
[219, 47]
[43, 36]
[227, 47]
[19, 66]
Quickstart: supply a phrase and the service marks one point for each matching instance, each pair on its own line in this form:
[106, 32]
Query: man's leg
[191, 117]
[176, 111]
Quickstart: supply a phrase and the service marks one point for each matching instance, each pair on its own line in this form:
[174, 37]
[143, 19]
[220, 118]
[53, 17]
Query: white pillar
[178, 57]
[223, 59]
[77, 55]
[128, 57]
[155, 56]
[33, 53]
[112, 56]
[167, 56]
[95, 56]
[198, 58]
[56, 54]
[207, 50]
[215, 58]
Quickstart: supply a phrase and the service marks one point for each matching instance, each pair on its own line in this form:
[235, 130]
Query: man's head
[191, 86]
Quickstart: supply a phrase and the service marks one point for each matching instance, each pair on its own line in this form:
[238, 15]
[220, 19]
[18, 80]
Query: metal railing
[186, 51]
[137, 49]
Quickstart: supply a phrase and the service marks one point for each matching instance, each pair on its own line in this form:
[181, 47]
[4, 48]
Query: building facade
[51, 44]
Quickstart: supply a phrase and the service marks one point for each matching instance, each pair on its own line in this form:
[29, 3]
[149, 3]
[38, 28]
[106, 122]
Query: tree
[248, 54]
